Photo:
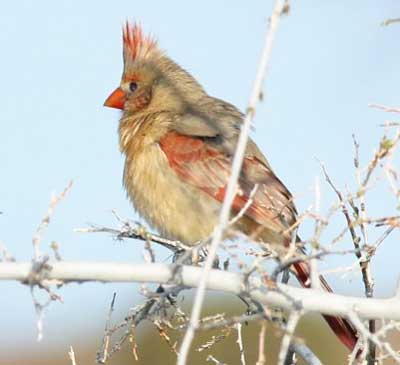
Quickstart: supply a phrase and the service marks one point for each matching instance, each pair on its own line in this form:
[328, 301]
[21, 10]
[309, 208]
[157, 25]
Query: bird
[178, 143]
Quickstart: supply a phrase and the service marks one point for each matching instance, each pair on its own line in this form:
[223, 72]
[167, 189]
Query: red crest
[136, 45]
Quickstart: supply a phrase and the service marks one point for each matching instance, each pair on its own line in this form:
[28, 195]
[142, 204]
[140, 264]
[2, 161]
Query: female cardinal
[178, 142]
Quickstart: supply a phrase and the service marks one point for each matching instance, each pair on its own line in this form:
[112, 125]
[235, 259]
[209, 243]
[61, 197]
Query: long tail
[342, 328]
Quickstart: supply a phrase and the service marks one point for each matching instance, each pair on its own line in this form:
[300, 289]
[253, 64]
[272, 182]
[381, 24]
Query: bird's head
[150, 78]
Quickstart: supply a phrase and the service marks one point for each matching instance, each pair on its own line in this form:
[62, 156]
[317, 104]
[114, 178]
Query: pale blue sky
[60, 60]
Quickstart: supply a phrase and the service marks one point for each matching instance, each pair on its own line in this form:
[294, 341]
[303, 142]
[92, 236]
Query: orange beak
[116, 99]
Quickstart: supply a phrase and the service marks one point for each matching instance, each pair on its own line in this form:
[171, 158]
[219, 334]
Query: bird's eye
[133, 86]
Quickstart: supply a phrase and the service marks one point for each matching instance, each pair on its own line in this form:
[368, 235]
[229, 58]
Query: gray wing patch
[196, 125]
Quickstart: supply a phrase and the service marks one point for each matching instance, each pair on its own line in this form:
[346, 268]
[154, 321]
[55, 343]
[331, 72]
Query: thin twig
[136, 233]
[383, 237]
[71, 355]
[163, 334]
[383, 107]
[314, 276]
[291, 325]
[214, 360]
[232, 321]
[5, 253]
[372, 337]
[213, 341]
[245, 207]
[240, 343]
[102, 354]
[261, 344]
[305, 353]
[387, 22]
[56, 249]
[37, 238]
[279, 8]
[365, 263]
[350, 223]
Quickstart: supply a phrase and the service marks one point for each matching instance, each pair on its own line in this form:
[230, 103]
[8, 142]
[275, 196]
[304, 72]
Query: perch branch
[281, 295]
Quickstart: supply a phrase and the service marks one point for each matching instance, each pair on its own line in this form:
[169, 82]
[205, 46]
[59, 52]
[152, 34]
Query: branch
[280, 8]
[280, 295]
[305, 353]
[37, 238]
[383, 107]
[139, 233]
[387, 22]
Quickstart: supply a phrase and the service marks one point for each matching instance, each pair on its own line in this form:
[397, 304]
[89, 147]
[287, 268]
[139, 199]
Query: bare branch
[305, 353]
[214, 360]
[71, 355]
[261, 344]
[387, 22]
[102, 355]
[5, 253]
[37, 238]
[280, 8]
[240, 343]
[283, 296]
[383, 107]
[291, 325]
[139, 233]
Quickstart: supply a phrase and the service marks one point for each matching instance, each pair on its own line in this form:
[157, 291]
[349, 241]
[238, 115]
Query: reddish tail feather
[340, 326]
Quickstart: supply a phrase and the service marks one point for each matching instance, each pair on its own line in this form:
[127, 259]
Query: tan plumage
[178, 142]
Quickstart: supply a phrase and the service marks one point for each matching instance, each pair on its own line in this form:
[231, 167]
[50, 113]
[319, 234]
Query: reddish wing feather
[195, 163]
[204, 166]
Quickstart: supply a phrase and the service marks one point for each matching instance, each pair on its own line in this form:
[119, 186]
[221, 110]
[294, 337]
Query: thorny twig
[222, 322]
[350, 223]
[39, 263]
[182, 252]
[102, 354]
[384, 149]
[372, 337]
[139, 233]
[37, 238]
[214, 340]
[163, 334]
[154, 309]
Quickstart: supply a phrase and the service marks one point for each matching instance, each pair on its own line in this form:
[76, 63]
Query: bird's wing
[197, 161]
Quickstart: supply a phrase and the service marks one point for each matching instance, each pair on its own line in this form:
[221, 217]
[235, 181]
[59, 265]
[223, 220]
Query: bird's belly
[177, 210]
